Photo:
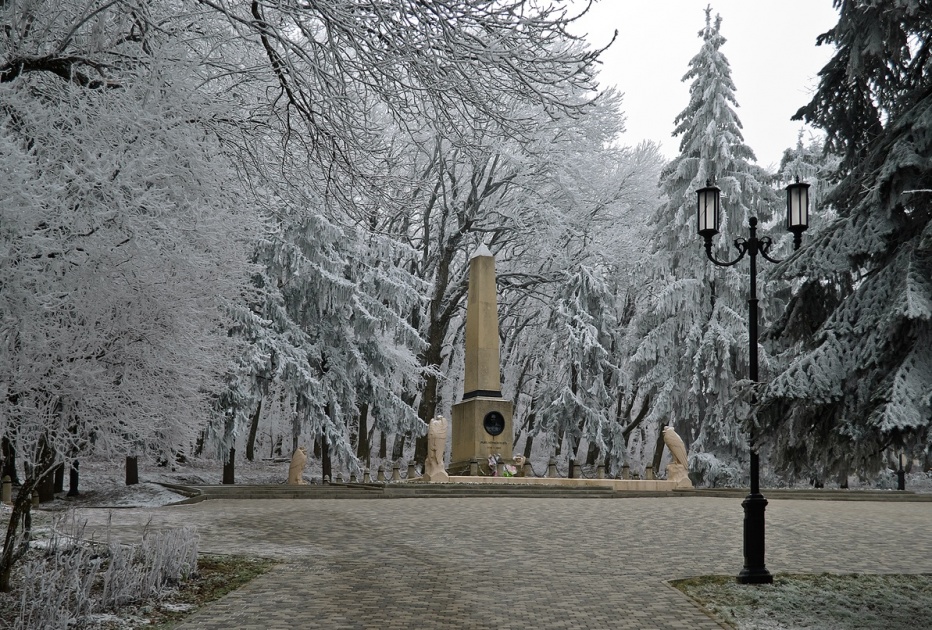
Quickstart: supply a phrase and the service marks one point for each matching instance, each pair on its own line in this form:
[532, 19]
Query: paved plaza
[517, 562]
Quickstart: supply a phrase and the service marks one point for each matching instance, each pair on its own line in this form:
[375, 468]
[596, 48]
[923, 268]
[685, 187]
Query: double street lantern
[797, 220]
[797, 211]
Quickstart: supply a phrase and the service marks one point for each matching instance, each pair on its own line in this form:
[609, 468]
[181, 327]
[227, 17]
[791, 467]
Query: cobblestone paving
[517, 562]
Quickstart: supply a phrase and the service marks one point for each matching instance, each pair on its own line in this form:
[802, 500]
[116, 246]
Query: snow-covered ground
[103, 483]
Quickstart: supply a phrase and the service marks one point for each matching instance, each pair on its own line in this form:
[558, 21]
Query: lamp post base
[754, 571]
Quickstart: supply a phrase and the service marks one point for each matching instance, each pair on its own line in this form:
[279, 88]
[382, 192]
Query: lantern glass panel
[707, 211]
[797, 206]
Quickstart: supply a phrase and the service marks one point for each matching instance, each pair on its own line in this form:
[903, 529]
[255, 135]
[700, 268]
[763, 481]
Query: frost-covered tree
[122, 242]
[337, 70]
[360, 87]
[858, 329]
[577, 395]
[813, 164]
[328, 332]
[523, 197]
[588, 259]
[691, 335]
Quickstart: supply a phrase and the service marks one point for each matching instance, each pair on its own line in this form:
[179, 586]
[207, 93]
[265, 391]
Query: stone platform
[618, 485]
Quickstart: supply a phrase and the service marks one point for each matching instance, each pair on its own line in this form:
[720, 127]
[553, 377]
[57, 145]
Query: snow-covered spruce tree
[692, 329]
[578, 394]
[595, 229]
[596, 233]
[121, 240]
[328, 332]
[859, 329]
[813, 164]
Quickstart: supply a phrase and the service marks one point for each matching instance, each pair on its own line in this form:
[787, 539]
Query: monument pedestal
[481, 427]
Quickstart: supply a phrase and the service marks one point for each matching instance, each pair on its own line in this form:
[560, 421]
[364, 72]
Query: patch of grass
[216, 576]
[820, 602]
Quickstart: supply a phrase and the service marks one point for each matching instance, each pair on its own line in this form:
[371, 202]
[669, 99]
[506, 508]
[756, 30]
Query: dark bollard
[73, 480]
[229, 468]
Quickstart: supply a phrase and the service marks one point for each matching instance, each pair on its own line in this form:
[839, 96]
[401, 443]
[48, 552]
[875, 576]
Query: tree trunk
[132, 470]
[228, 478]
[398, 448]
[8, 456]
[199, 444]
[626, 433]
[59, 483]
[593, 454]
[426, 411]
[22, 507]
[325, 463]
[73, 479]
[363, 445]
[529, 443]
[383, 446]
[253, 428]
[45, 460]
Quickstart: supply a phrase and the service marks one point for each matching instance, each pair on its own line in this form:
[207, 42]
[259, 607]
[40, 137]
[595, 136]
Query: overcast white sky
[770, 45]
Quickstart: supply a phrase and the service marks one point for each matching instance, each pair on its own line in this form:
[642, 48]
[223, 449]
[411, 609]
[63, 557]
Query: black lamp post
[797, 220]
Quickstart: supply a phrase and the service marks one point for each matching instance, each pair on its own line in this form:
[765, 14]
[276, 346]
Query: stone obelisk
[482, 421]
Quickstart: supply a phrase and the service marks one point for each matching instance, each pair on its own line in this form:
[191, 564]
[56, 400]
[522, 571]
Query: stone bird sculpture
[675, 443]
